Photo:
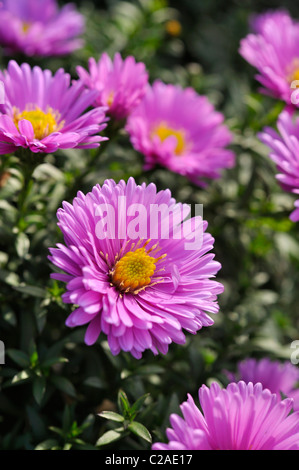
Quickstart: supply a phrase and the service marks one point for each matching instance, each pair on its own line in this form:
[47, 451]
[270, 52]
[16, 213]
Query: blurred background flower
[279, 377]
[120, 83]
[178, 129]
[284, 151]
[272, 49]
[40, 28]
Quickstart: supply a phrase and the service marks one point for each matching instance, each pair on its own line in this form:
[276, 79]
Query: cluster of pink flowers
[272, 49]
[144, 292]
[170, 126]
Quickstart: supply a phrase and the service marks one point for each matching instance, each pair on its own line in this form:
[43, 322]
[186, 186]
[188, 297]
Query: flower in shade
[39, 27]
[136, 278]
[272, 48]
[120, 83]
[179, 129]
[44, 112]
[239, 417]
[284, 151]
[278, 377]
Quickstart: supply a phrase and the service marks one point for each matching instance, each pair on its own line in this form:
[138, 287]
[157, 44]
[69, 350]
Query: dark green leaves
[126, 417]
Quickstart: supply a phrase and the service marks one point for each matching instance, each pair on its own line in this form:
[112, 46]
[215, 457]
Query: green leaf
[10, 278]
[109, 436]
[150, 369]
[53, 360]
[46, 445]
[4, 205]
[36, 422]
[20, 377]
[123, 403]
[22, 244]
[64, 385]
[138, 404]
[57, 430]
[67, 446]
[31, 290]
[112, 415]
[39, 388]
[19, 357]
[95, 382]
[140, 430]
[67, 419]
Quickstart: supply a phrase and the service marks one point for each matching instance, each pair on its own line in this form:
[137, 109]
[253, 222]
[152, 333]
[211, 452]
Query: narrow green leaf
[67, 446]
[47, 444]
[22, 244]
[9, 278]
[23, 375]
[138, 404]
[53, 360]
[38, 389]
[31, 290]
[19, 357]
[112, 415]
[56, 430]
[149, 370]
[4, 205]
[123, 402]
[95, 382]
[37, 423]
[140, 430]
[109, 436]
[64, 385]
[67, 419]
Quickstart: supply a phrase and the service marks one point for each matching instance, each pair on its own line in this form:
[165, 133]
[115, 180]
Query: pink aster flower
[272, 48]
[278, 377]
[44, 112]
[120, 83]
[284, 151]
[180, 130]
[239, 417]
[136, 278]
[39, 27]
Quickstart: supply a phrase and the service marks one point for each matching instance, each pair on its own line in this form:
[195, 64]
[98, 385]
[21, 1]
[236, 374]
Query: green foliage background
[58, 393]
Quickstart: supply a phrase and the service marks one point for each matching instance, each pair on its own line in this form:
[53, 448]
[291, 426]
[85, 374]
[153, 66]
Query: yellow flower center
[110, 98]
[293, 72]
[295, 76]
[43, 123]
[163, 132]
[25, 27]
[133, 272]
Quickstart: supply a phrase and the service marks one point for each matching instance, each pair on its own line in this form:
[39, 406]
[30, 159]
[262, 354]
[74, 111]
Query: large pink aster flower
[132, 269]
[39, 27]
[272, 48]
[240, 417]
[179, 129]
[278, 377]
[120, 83]
[284, 151]
[44, 112]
